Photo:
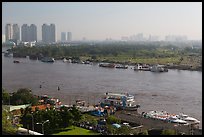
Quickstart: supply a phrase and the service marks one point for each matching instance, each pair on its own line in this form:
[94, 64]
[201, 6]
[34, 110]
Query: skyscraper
[33, 32]
[69, 36]
[28, 33]
[9, 31]
[48, 33]
[16, 32]
[12, 33]
[63, 36]
[25, 33]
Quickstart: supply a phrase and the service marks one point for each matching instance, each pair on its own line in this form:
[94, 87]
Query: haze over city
[99, 21]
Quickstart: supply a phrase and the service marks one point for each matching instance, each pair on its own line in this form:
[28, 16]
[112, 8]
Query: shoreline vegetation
[173, 57]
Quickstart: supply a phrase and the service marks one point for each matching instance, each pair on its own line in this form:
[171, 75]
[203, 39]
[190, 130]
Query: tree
[76, 113]
[5, 96]
[168, 132]
[124, 130]
[23, 96]
[112, 119]
[7, 126]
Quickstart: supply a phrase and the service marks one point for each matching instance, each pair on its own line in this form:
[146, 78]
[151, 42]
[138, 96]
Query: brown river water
[174, 91]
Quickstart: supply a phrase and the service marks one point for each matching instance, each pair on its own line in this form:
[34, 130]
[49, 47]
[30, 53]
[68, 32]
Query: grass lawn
[73, 130]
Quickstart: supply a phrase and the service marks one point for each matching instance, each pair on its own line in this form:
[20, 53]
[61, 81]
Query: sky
[101, 20]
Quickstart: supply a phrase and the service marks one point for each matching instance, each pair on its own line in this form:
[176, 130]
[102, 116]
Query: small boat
[16, 61]
[120, 66]
[158, 68]
[47, 59]
[108, 65]
[65, 60]
[142, 67]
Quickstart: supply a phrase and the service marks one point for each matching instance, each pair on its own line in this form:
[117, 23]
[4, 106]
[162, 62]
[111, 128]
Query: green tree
[76, 113]
[5, 97]
[24, 96]
[168, 132]
[145, 132]
[7, 126]
[112, 119]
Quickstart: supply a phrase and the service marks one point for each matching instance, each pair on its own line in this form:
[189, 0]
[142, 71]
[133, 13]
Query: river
[174, 91]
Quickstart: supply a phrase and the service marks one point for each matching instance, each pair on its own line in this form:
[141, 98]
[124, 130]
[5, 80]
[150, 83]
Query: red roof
[41, 107]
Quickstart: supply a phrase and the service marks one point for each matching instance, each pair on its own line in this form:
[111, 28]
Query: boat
[47, 59]
[65, 60]
[16, 61]
[120, 66]
[158, 68]
[108, 65]
[188, 119]
[173, 118]
[142, 67]
[120, 101]
[7, 54]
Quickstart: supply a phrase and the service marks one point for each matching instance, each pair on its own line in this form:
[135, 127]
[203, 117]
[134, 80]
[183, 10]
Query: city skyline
[98, 21]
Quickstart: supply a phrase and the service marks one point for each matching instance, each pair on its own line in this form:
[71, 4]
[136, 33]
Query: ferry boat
[120, 100]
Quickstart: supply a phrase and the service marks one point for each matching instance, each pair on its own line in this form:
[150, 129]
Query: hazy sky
[101, 20]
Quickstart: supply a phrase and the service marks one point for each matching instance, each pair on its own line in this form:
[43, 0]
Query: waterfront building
[48, 33]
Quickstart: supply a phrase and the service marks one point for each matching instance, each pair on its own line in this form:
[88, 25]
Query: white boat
[120, 100]
[158, 68]
[174, 119]
[142, 67]
[187, 118]
[65, 60]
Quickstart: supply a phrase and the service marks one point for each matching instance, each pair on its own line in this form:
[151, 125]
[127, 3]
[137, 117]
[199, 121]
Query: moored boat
[108, 65]
[120, 101]
[47, 59]
[16, 61]
[120, 66]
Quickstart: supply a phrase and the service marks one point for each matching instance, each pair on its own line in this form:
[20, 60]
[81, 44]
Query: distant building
[3, 38]
[33, 32]
[69, 36]
[12, 33]
[63, 36]
[175, 38]
[9, 31]
[48, 33]
[16, 32]
[28, 33]
[153, 38]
